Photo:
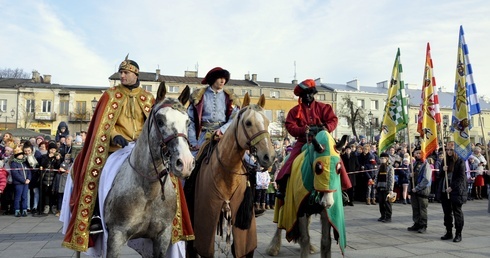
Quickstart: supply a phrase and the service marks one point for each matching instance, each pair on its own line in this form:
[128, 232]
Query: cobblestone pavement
[366, 237]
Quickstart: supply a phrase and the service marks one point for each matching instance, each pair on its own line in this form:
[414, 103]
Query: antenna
[294, 69]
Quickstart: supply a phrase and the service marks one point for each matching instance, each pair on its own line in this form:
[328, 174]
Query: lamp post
[446, 131]
[370, 117]
[282, 120]
[94, 104]
[12, 114]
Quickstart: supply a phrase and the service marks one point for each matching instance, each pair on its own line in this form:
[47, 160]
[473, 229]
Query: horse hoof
[313, 249]
[272, 251]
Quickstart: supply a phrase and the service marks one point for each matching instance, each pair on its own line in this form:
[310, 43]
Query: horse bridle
[251, 140]
[164, 152]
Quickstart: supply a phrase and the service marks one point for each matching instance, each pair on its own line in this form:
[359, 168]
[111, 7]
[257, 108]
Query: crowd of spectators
[33, 172]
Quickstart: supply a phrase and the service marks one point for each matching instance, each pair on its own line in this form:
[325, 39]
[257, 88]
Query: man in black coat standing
[351, 164]
[452, 206]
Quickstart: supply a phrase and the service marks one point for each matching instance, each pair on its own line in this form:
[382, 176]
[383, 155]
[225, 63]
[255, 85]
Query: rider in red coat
[308, 113]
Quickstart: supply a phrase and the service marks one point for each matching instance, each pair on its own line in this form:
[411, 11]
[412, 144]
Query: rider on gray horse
[118, 119]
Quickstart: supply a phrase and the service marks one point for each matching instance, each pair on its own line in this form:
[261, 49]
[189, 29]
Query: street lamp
[282, 120]
[94, 104]
[12, 114]
[446, 129]
[370, 117]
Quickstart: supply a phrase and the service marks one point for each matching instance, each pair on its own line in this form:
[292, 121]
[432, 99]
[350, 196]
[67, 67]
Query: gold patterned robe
[119, 111]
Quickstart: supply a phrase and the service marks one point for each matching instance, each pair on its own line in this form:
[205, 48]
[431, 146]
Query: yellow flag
[395, 113]
[429, 113]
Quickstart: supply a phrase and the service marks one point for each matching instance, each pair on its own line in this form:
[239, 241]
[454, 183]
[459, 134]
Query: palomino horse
[143, 198]
[314, 187]
[221, 183]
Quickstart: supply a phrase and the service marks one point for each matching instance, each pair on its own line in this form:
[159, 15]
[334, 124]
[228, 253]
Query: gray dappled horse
[142, 201]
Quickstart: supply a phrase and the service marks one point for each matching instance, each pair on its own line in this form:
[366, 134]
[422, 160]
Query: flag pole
[483, 135]
[486, 153]
[445, 160]
[409, 148]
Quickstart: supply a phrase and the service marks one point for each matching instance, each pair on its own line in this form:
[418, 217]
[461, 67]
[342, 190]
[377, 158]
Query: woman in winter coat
[50, 163]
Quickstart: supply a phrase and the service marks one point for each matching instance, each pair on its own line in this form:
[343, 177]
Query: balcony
[77, 117]
[45, 116]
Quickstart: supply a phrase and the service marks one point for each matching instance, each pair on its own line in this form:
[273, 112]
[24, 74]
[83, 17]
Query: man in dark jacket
[421, 180]
[351, 164]
[452, 205]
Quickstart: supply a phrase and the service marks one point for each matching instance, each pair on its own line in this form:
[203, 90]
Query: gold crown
[127, 65]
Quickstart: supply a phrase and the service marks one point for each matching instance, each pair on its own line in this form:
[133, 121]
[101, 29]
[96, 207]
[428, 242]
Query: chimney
[192, 74]
[276, 80]
[254, 77]
[157, 74]
[47, 78]
[354, 84]
[295, 82]
[36, 77]
[383, 84]
[247, 77]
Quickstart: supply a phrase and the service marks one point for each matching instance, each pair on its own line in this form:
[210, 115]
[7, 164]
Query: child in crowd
[20, 179]
[472, 166]
[403, 179]
[60, 180]
[263, 180]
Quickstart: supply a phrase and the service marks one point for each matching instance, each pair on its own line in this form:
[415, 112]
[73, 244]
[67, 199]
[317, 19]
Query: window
[81, 107]
[275, 94]
[472, 121]
[320, 97]
[375, 104]
[343, 121]
[173, 89]
[30, 105]
[46, 107]
[147, 87]
[245, 91]
[3, 105]
[268, 114]
[445, 119]
[360, 103]
[64, 107]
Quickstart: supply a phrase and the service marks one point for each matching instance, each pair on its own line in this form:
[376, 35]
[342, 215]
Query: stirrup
[95, 225]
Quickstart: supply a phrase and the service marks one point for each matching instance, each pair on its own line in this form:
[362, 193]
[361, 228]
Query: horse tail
[245, 211]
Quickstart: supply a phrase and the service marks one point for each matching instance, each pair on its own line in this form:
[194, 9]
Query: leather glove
[120, 141]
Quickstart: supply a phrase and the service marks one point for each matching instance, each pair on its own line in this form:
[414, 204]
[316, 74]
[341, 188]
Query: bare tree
[16, 73]
[354, 115]
[26, 117]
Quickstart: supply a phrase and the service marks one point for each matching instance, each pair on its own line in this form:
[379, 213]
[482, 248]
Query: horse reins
[163, 148]
[251, 140]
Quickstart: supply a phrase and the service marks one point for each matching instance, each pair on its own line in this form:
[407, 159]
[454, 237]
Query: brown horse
[222, 180]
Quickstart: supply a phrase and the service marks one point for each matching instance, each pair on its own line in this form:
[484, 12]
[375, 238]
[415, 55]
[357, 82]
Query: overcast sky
[83, 42]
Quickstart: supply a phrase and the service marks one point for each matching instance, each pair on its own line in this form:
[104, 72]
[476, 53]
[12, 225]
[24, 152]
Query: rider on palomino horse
[308, 113]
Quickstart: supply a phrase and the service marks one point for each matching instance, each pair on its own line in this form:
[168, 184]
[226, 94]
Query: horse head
[327, 166]
[169, 120]
[253, 124]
